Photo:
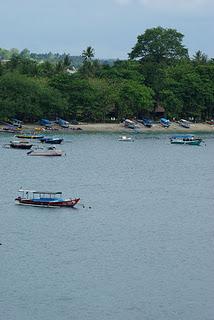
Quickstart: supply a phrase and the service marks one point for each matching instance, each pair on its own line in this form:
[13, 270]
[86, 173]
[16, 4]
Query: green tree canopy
[159, 45]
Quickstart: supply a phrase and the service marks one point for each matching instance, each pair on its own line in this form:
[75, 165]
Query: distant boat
[17, 123]
[46, 123]
[19, 145]
[49, 152]
[165, 122]
[30, 136]
[129, 124]
[184, 123]
[51, 140]
[44, 199]
[186, 139]
[147, 122]
[125, 138]
[62, 123]
[211, 122]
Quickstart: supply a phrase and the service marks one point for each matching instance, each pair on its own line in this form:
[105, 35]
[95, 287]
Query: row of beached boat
[149, 123]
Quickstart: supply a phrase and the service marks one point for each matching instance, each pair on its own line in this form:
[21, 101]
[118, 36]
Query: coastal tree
[88, 54]
[159, 45]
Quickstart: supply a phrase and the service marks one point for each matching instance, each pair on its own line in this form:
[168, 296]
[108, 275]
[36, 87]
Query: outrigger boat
[29, 136]
[51, 140]
[44, 199]
[186, 139]
[19, 145]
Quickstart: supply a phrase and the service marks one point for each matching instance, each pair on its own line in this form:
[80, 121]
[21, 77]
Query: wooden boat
[147, 122]
[19, 145]
[164, 122]
[184, 123]
[29, 136]
[44, 199]
[62, 123]
[49, 152]
[51, 140]
[186, 139]
[125, 138]
[129, 124]
[211, 122]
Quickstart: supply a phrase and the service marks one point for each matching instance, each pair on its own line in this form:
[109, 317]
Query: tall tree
[88, 54]
[159, 45]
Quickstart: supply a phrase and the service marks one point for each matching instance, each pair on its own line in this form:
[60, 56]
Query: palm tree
[88, 54]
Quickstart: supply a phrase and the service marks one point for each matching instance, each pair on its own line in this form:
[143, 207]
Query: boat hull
[192, 143]
[29, 136]
[21, 146]
[51, 153]
[70, 203]
[51, 141]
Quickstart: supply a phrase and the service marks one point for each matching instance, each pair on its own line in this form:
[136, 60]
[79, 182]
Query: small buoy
[83, 206]
[0, 244]
[89, 207]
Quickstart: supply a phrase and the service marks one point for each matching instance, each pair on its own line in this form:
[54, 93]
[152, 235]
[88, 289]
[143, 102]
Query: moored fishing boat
[49, 152]
[125, 138]
[164, 122]
[19, 145]
[62, 123]
[51, 140]
[29, 136]
[44, 199]
[129, 124]
[186, 139]
[184, 123]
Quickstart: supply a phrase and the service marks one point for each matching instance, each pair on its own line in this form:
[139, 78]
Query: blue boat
[147, 122]
[165, 122]
[51, 140]
[46, 123]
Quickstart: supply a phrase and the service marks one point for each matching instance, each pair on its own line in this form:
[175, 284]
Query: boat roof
[39, 192]
[183, 136]
[183, 120]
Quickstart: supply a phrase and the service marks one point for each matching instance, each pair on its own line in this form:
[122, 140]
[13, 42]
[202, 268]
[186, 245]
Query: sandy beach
[119, 128]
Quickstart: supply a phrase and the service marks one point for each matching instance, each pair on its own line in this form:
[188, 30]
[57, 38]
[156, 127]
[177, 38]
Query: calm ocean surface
[145, 249]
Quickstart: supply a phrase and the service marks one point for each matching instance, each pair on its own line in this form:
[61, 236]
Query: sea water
[139, 246]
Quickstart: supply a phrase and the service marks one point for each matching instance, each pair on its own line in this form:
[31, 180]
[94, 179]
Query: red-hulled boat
[44, 199]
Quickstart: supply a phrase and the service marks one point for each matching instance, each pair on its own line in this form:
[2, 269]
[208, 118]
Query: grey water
[139, 246]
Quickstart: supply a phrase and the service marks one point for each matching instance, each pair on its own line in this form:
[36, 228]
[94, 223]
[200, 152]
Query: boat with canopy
[45, 199]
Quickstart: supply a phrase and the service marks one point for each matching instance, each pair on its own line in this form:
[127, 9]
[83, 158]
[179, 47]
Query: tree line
[157, 72]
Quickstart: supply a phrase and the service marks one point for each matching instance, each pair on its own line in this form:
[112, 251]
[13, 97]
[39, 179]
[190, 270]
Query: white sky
[110, 26]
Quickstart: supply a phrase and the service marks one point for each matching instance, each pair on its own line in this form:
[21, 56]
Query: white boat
[49, 152]
[184, 123]
[125, 138]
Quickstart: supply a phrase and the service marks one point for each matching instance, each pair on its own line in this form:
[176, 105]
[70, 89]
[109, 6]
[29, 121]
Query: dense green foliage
[159, 72]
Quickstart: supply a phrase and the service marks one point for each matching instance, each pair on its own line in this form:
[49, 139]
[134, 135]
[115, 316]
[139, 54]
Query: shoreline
[119, 128]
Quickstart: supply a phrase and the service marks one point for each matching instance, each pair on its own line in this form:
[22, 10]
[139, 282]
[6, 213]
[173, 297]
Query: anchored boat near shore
[49, 152]
[186, 139]
[44, 199]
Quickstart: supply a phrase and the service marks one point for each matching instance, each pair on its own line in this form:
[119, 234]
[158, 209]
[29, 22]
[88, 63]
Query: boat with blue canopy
[47, 199]
[186, 139]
